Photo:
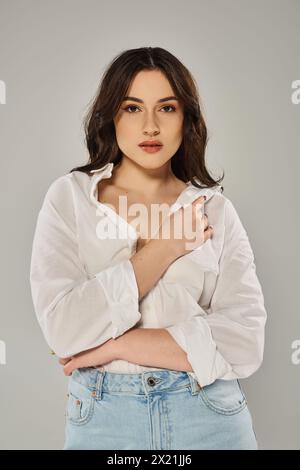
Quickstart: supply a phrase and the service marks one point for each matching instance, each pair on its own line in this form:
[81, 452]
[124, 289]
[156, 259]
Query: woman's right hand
[185, 229]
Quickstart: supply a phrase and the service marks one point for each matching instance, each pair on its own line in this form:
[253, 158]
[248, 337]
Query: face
[142, 116]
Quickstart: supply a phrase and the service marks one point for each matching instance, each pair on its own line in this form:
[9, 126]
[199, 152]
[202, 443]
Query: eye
[170, 106]
[132, 106]
[128, 107]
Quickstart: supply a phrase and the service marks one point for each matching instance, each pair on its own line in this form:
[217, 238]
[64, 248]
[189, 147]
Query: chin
[153, 163]
[152, 160]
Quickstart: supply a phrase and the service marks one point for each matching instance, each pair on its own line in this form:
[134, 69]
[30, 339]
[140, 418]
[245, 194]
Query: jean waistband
[143, 383]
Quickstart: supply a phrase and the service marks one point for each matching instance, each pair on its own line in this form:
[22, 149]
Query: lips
[151, 143]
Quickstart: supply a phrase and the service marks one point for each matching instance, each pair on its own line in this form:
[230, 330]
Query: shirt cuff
[122, 295]
[195, 338]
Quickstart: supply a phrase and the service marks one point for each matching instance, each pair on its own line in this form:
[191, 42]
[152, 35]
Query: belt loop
[143, 377]
[98, 387]
[195, 387]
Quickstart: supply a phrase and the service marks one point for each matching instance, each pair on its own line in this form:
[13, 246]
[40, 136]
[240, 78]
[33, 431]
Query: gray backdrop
[245, 58]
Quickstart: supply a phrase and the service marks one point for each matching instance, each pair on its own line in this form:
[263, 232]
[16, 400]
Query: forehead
[151, 84]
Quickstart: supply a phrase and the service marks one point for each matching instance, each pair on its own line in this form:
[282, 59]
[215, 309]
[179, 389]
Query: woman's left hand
[92, 357]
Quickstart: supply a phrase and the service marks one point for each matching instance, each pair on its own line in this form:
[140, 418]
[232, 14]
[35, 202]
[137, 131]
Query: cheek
[125, 133]
[127, 122]
[174, 126]
[175, 133]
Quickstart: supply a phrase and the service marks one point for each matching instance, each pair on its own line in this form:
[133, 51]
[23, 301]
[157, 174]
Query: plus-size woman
[153, 329]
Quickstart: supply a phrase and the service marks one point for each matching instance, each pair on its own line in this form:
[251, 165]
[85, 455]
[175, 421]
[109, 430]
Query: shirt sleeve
[76, 312]
[227, 340]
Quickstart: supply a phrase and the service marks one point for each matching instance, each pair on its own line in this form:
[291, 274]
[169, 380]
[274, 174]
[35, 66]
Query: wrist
[165, 250]
[116, 345]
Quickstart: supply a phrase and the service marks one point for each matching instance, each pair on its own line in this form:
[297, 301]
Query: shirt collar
[188, 195]
[108, 167]
[98, 174]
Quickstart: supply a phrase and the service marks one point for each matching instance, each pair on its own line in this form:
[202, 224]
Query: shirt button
[151, 381]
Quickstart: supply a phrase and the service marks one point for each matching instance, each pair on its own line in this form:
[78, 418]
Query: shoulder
[236, 238]
[225, 206]
[58, 200]
[59, 189]
[63, 189]
[223, 214]
[233, 221]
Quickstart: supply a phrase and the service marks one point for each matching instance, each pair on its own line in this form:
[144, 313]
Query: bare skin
[147, 179]
[151, 347]
[109, 193]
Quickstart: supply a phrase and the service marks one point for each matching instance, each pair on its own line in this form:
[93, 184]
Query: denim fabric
[155, 410]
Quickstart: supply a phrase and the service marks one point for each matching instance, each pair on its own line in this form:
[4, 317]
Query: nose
[150, 126]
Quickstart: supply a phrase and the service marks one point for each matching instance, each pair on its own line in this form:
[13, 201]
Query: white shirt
[84, 288]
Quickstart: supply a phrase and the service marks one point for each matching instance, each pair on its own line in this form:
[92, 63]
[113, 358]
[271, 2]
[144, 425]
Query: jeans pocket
[81, 402]
[224, 396]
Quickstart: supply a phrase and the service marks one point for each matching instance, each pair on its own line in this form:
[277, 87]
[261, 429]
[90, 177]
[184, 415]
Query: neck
[129, 175]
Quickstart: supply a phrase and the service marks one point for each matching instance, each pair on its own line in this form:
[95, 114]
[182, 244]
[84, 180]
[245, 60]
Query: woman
[154, 330]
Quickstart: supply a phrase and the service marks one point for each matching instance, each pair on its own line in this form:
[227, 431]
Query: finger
[208, 233]
[205, 219]
[77, 362]
[64, 360]
[69, 367]
[197, 205]
[199, 199]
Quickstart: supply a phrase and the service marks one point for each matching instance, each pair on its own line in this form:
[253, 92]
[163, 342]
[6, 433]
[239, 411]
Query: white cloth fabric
[84, 288]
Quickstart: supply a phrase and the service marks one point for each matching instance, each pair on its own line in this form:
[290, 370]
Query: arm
[153, 347]
[77, 313]
[150, 263]
[227, 341]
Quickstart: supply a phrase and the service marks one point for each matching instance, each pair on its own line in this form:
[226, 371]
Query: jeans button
[151, 381]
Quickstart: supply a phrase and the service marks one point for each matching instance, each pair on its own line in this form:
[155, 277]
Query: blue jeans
[155, 410]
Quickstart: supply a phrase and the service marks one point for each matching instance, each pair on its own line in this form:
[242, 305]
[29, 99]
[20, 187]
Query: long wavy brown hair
[188, 162]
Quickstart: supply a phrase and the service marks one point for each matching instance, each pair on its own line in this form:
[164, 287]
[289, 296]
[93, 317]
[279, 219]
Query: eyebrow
[138, 100]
